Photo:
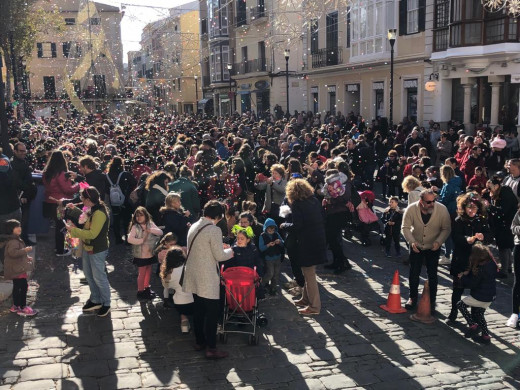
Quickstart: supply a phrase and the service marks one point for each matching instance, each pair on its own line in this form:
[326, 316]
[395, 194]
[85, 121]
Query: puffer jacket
[16, 260]
[59, 187]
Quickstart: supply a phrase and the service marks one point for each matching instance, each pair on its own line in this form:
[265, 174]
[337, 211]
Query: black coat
[461, 230]
[308, 227]
[501, 214]
[176, 223]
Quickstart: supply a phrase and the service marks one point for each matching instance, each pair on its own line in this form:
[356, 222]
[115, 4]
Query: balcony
[257, 14]
[493, 29]
[327, 57]
[251, 66]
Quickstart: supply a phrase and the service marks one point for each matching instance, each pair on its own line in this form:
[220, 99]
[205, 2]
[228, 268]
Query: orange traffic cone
[393, 303]
[424, 310]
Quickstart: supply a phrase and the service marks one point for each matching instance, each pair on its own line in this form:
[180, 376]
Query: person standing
[308, 226]
[26, 188]
[201, 277]
[426, 225]
[94, 236]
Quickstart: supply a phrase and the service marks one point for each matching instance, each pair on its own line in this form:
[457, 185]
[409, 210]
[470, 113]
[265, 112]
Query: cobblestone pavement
[351, 344]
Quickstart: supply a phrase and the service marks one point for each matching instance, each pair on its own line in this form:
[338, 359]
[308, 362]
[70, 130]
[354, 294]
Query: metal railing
[251, 66]
[327, 57]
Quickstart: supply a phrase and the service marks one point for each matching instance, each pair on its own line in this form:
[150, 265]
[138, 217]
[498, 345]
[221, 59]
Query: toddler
[143, 236]
[272, 249]
[171, 271]
[392, 219]
[16, 266]
[480, 279]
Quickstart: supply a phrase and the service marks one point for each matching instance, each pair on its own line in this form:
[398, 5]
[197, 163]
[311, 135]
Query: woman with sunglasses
[94, 237]
[470, 227]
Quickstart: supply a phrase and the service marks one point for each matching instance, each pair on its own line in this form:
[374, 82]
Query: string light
[512, 7]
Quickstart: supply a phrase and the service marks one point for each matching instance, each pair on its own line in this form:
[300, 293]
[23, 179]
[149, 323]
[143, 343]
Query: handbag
[367, 216]
[181, 279]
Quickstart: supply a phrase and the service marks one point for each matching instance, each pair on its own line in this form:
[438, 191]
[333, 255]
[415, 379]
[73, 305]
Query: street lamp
[230, 67]
[391, 38]
[286, 54]
[196, 94]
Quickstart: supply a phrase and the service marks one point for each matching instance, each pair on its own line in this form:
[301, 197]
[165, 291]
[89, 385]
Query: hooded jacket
[271, 253]
[16, 260]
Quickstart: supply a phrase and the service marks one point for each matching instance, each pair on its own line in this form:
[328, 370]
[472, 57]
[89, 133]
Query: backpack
[117, 198]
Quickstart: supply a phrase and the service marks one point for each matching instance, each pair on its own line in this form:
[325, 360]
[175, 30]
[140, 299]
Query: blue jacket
[273, 252]
[449, 193]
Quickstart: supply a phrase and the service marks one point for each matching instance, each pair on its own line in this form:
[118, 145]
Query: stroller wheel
[262, 320]
[223, 338]
[254, 339]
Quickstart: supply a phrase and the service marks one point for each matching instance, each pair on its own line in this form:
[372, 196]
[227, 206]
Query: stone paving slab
[351, 344]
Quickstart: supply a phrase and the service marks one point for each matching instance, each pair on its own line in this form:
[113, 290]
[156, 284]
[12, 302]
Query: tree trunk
[4, 131]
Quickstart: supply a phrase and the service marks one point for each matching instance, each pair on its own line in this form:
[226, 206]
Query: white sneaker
[444, 261]
[512, 321]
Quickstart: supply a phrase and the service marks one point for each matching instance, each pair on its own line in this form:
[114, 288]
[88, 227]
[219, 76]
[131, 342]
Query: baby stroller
[240, 303]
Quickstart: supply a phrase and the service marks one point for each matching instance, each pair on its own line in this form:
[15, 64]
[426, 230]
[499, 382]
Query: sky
[136, 18]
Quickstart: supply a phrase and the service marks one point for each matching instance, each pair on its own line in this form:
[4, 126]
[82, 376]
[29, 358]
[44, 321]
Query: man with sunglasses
[426, 225]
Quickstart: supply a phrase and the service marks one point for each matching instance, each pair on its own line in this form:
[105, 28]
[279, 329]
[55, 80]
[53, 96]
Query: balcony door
[332, 38]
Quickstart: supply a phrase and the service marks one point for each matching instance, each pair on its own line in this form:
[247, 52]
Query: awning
[202, 103]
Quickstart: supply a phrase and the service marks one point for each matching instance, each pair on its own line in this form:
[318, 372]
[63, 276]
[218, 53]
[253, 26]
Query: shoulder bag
[181, 279]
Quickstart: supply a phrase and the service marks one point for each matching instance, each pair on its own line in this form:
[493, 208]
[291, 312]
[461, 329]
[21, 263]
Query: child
[272, 249]
[168, 241]
[16, 266]
[174, 218]
[245, 252]
[171, 271]
[392, 219]
[143, 236]
[480, 278]
[246, 219]
[478, 182]
[368, 220]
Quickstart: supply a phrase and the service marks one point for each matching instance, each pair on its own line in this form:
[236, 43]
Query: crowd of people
[188, 193]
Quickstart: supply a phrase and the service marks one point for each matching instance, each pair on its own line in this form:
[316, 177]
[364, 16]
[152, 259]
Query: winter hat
[498, 143]
[332, 178]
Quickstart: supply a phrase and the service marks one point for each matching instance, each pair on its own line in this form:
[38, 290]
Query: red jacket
[478, 182]
[59, 187]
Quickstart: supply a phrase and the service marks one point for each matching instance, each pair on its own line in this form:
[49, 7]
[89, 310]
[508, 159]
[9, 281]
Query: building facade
[349, 55]
[82, 68]
[166, 72]
[243, 59]
[475, 61]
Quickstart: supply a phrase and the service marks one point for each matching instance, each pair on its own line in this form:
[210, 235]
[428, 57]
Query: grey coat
[274, 193]
[201, 276]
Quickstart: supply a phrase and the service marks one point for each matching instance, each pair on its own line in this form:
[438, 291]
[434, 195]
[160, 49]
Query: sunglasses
[429, 201]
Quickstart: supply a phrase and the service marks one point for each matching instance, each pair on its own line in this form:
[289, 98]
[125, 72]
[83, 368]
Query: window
[100, 87]
[95, 21]
[412, 16]
[440, 26]
[348, 26]
[369, 21]
[218, 18]
[315, 101]
[332, 100]
[70, 21]
[46, 50]
[261, 55]
[332, 30]
[241, 13]
[179, 84]
[219, 58]
[77, 87]
[49, 87]
[314, 36]
[66, 49]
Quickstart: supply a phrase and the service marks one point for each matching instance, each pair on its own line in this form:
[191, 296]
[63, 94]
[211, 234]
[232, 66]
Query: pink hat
[498, 143]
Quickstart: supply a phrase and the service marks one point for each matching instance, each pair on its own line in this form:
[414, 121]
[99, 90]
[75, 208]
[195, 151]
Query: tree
[20, 23]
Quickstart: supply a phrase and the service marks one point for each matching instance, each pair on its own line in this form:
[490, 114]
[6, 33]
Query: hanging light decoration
[512, 7]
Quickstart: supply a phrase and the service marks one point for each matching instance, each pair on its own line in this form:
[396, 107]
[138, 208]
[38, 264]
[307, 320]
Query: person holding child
[94, 236]
[272, 248]
[17, 264]
[480, 278]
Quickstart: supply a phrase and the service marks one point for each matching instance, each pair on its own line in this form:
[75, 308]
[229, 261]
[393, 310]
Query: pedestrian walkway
[351, 344]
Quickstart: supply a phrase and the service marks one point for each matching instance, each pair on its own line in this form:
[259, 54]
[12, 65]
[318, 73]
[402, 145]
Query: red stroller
[240, 304]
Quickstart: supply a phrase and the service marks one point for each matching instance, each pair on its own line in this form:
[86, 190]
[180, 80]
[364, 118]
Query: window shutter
[39, 46]
[53, 50]
[403, 8]
[422, 14]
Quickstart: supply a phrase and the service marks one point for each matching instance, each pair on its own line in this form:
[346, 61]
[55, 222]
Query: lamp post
[196, 94]
[286, 54]
[391, 38]
[230, 67]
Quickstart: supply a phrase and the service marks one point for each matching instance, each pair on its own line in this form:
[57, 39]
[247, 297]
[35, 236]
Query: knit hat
[498, 143]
